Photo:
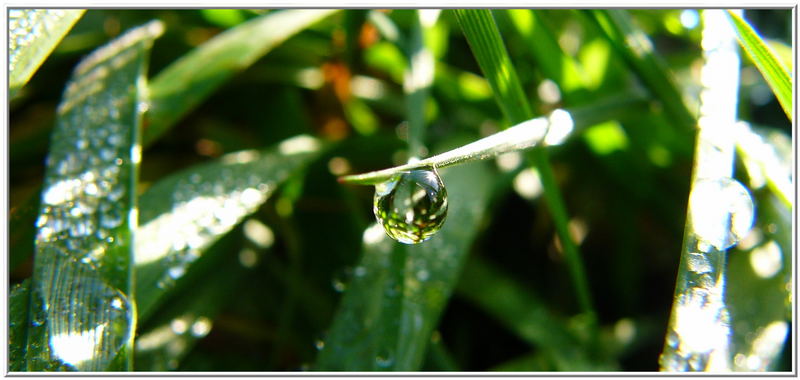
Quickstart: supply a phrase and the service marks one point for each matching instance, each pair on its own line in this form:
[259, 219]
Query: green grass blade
[398, 292]
[32, 36]
[22, 231]
[761, 153]
[185, 213]
[18, 300]
[637, 50]
[184, 84]
[416, 84]
[523, 313]
[553, 61]
[767, 63]
[488, 48]
[490, 52]
[759, 294]
[192, 308]
[82, 312]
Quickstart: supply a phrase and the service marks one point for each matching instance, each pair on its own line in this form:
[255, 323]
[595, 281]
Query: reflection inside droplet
[721, 212]
[412, 206]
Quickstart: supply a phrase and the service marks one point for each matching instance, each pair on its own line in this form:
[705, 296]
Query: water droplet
[721, 212]
[412, 206]
[423, 275]
[384, 358]
[319, 344]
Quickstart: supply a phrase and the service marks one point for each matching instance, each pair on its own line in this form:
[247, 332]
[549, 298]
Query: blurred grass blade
[760, 298]
[175, 328]
[32, 36]
[417, 81]
[398, 292]
[18, 325]
[185, 213]
[523, 313]
[184, 84]
[487, 46]
[765, 162]
[720, 212]
[22, 231]
[82, 315]
[553, 61]
[770, 67]
[636, 48]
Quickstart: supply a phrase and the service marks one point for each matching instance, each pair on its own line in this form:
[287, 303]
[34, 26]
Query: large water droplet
[721, 212]
[412, 206]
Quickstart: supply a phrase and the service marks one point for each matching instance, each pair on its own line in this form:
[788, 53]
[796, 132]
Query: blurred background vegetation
[269, 305]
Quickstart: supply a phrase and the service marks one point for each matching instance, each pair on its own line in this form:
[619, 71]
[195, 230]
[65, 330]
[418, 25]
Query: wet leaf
[32, 36]
[81, 314]
[183, 214]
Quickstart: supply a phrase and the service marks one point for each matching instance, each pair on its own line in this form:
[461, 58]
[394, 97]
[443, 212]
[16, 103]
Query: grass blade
[523, 313]
[488, 48]
[522, 136]
[416, 84]
[770, 67]
[18, 325]
[636, 48]
[188, 81]
[719, 211]
[81, 311]
[553, 61]
[398, 292]
[160, 346]
[185, 213]
[32, 36]
[760, 298]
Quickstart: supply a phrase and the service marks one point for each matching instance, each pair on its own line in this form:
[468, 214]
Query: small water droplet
[338, 285]
[721, 211]
[412, 206]
[384, 358]
[319, 344]
[423, 275]
[672, 339]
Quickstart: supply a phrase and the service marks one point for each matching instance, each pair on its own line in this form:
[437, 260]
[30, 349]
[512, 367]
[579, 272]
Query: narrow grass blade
[636, 48]
[184, 84]
[417, 82]
[720, 211]
[82, 315]
[32, 36]
[524, 314]
[488, 48]
[397, 292]
[553, 61]
[767, 63]
[185, 213]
